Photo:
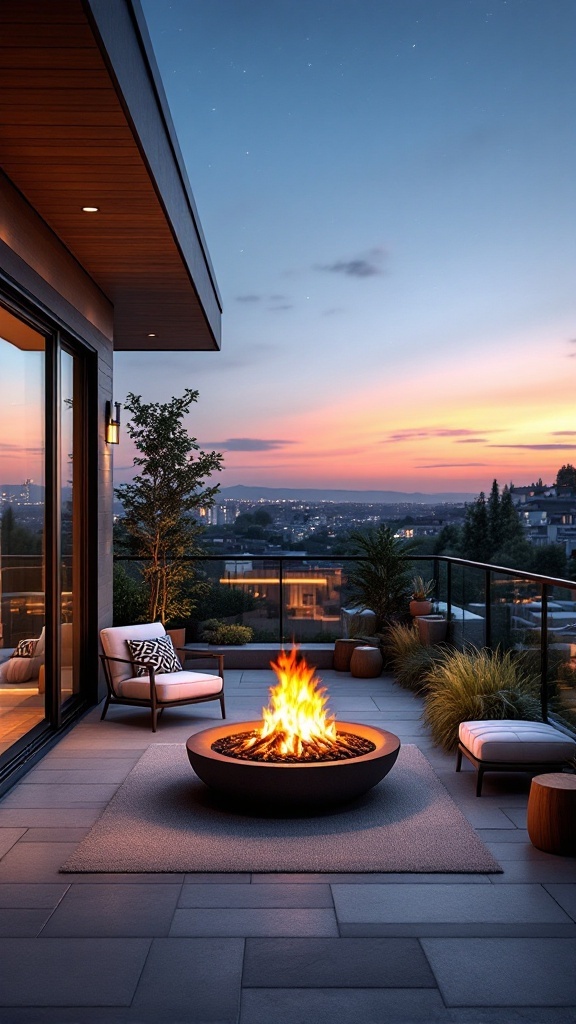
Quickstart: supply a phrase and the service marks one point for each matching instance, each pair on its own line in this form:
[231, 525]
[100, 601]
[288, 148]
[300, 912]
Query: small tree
[159, 504]
[381, 579]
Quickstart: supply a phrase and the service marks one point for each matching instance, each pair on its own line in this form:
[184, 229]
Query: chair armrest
[203, 654]
[132, 661]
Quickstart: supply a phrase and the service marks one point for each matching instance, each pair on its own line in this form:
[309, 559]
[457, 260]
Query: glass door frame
[59, 338]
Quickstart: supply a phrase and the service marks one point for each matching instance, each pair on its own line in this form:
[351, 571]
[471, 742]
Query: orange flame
[296, 717]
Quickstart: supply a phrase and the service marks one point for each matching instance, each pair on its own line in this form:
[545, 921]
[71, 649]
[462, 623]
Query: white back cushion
[114, 645]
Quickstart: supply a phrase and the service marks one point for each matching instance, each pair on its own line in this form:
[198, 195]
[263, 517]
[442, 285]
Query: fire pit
[297, 754]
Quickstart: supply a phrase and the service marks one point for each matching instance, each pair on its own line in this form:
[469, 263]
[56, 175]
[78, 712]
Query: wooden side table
[552, 813]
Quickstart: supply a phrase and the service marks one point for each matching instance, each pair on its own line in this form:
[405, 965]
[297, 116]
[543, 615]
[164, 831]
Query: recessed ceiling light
[151, 335]
[90, 209]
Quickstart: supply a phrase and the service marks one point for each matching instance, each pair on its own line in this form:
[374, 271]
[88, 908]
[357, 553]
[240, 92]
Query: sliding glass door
[43, 523]
[22, 528]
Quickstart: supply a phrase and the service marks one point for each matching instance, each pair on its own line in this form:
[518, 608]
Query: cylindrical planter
[343, 652]
[432, 629]
[420, 608]
[366, 662]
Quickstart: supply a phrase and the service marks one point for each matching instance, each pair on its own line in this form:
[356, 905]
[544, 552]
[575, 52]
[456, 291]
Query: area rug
[163, 818]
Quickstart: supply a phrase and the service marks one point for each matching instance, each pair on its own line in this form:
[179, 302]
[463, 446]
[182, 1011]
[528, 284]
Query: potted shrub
[420, 604]
[226, 634]
[432, 629]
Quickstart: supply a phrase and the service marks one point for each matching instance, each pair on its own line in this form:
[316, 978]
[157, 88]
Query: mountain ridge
[243, 492]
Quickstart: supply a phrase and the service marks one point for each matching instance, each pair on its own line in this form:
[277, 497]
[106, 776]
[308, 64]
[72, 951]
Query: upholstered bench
[509, 745]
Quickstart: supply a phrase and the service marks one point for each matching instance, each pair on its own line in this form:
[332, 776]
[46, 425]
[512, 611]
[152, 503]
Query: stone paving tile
[504, 972]
[99, 910]
[67, 753]
[512, 1015]
[352, 704]
[375, 878]
[565, 895]
[59, 795]
[79, 776]
[200, 980]
[215, 878]
[312, 895]
[336, 963]
[61, 972]
[341, 1006]
[48, 817]
[554, 869]
[501, 835]
[486, 815]
[446, 904]
[21, 923]
[35, 862]
[54, 835]
[8, 837]
[523, 852]
[32, 895]
[517, 815]
[112, 878]
[244, 922]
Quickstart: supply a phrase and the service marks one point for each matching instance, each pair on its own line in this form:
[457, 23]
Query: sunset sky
[388, 194]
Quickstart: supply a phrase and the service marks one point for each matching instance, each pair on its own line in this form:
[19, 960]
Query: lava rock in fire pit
[251, 746]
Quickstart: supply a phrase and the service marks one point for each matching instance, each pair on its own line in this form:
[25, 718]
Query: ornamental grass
[408, 658]
[472, 685]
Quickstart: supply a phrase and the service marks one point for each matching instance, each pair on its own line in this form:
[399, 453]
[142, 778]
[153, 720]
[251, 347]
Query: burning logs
[252, 746]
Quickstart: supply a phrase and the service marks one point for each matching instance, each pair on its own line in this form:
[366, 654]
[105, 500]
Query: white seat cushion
[171, 686]
[516, 741]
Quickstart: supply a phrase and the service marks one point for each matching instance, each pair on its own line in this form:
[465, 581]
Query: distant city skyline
[388, 197]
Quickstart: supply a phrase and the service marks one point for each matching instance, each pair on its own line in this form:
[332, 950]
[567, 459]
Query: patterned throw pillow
[25, 648]
[158, 652]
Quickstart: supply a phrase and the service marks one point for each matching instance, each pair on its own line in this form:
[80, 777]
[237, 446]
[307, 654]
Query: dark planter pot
[432, 629]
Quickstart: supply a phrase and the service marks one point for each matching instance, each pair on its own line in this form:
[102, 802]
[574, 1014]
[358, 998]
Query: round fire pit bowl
[308, 784]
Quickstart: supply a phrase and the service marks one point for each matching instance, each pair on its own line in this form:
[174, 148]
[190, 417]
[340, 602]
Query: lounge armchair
[142, 670]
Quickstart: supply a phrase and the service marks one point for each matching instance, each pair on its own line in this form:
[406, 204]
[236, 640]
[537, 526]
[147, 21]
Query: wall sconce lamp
[113, 423]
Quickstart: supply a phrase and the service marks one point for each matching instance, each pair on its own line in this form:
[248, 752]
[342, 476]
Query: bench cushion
[516, 741]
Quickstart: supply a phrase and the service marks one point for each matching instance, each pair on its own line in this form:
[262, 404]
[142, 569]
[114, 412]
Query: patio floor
[274, 949]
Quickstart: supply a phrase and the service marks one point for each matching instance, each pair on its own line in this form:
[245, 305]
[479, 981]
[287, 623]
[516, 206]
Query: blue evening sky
[387, 190]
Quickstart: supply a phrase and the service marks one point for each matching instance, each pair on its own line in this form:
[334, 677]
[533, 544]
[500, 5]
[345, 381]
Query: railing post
[281, 600]
[487, 610]
[544, 653]
[449, 597]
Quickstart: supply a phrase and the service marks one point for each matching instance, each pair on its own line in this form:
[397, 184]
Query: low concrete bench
[509, 745]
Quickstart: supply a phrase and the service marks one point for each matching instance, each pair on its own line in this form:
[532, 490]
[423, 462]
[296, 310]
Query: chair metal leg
[154, 719]
[222, 706]
[459, 760]
[105, 709]
[479, 782]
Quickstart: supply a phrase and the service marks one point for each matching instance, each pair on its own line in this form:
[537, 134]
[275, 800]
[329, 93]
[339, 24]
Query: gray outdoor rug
[163, 818]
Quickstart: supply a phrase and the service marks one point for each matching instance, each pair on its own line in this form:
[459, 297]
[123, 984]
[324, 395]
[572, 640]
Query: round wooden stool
[342, 654]
[366, 662]
[552, 813]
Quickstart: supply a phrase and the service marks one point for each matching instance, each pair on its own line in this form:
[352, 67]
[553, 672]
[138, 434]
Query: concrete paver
[243, 949]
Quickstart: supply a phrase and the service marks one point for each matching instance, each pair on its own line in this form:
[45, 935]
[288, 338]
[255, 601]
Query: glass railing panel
[511, 612]
[468, 609]
[561, 637]
[312, 593]
[238, 590]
